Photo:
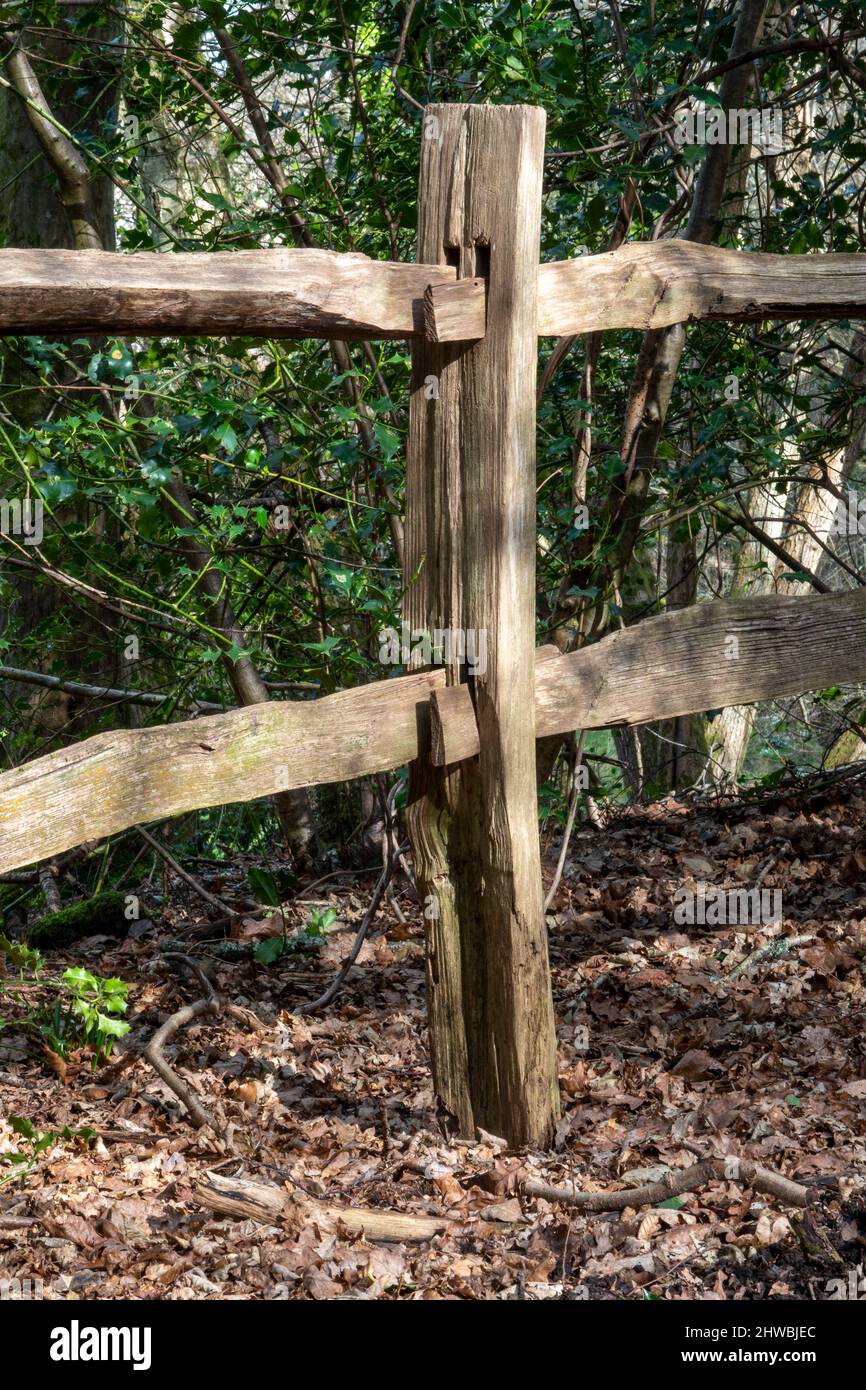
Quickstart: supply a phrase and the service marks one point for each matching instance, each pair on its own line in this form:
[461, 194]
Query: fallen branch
[200, 1117]
[265, 1202]
[153, 1052]
[771, 950]
[741, 1170]
[48, 883]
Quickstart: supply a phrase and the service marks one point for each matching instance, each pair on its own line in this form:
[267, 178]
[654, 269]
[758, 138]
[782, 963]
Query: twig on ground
[153, 1052]
[569, 824]
[197, 970]
[765, 869]
[771, 950]
[378, 893]
[741, 1170]
[128, 1136]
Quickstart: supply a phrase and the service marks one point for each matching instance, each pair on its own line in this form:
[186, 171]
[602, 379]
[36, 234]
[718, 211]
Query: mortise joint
[482, 259]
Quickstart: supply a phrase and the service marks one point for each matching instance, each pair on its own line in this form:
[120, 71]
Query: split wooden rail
[326, 294]
[669, 665]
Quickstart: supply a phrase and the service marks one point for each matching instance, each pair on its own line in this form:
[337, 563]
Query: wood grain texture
[456, 313]
[679, 663]
[325, 294]
[277, 294]
[470, 537]
[667, 666]
[655, 284]
[682, 663]
[131, 776]
[453, 731]
[247, 1199]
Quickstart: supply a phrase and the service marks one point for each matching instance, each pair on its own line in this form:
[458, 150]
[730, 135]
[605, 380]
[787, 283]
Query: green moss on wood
[99, 916]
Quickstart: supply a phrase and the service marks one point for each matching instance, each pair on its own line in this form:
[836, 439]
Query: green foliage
[90, 1015]
[24, 1160]
[95, 427]
[265, 886]
[67, 1012]
[307, 941]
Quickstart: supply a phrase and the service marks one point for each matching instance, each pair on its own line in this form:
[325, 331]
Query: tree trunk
[32, 211]
[52, 200]
[675, 751]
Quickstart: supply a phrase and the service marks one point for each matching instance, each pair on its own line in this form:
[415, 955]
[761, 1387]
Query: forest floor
[666, 1056]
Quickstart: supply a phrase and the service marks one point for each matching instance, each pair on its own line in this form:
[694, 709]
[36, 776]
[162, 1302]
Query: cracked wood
[666, 666]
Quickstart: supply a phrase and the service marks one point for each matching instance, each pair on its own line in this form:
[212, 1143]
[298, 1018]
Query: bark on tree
[470, 531]
[40, 211]
[659, 359]
[52, 200]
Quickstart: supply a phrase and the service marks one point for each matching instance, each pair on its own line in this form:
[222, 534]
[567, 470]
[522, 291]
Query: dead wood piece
[265, 1202]
[48, 883]
[741, 1170]
[128, 1136]
[153, 1052]
[771, 950]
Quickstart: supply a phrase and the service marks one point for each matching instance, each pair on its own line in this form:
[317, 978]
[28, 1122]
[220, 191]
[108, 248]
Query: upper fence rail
[327, 294]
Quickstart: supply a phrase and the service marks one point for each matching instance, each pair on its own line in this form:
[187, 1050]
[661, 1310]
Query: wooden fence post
[470, 569]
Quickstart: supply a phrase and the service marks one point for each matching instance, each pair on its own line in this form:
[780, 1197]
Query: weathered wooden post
[470, 568]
